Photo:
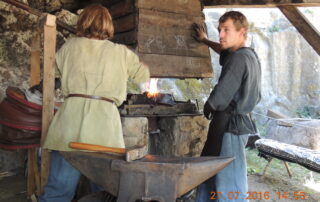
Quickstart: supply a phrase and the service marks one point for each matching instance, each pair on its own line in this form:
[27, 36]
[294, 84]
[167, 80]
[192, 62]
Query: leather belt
[95, 97]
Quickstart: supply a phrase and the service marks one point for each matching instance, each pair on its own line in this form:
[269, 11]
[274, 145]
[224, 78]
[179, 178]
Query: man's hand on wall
[200, 32]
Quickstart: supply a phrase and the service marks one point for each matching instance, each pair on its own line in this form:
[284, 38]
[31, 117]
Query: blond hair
[95, 21]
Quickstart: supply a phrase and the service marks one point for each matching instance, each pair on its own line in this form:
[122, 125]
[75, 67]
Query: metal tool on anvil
[131, 153]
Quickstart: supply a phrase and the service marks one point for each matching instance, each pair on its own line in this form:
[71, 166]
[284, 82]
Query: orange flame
[153, 89]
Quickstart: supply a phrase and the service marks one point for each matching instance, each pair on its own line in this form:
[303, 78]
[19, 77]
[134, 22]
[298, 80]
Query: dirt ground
[13, 189]
[304, 185]
[275, 186]
[280, 191]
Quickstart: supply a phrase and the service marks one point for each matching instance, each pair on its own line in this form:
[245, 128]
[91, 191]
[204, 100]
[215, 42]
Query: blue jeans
[230, 184]
[62, 181]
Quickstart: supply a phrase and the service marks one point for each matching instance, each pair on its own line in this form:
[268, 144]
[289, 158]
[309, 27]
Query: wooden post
[35, 60]
[267, 166]
[33, 180]
[48, 90]
[288, 169]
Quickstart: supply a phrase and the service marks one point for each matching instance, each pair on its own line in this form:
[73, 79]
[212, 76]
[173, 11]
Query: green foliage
[251, 171]
[133, 87]
[194, 89]
[262, 129]
[274, 28]
[166, 86]
[304, 112]
[308, 11]
[308, 112]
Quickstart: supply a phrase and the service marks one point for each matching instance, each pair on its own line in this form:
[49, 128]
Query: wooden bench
[270, 149]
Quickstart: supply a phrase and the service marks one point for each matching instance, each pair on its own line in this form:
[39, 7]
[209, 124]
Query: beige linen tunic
[92, 67]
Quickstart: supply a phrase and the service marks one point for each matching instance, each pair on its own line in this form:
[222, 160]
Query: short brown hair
[95, 21]
[239, 20]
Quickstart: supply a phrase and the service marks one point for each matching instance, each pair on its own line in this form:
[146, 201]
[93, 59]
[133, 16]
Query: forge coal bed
[156, 106]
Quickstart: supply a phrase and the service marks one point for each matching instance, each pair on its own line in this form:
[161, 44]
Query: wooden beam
[48, 74]
[173, 66]
[190, 7]
[48, 90]
[39, 13]
[303, 26]
[106, 3]
[125, 23]
[258, 3]
[122, 8]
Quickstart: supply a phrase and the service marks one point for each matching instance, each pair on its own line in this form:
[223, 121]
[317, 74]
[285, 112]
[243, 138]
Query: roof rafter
[259, 3]
[304, 27]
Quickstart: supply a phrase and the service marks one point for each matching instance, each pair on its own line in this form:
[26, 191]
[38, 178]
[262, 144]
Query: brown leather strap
[95, 97]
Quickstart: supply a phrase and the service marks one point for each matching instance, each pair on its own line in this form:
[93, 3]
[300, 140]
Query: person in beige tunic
[94, 66]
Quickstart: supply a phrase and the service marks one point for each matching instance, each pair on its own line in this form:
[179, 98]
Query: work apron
[217, 128]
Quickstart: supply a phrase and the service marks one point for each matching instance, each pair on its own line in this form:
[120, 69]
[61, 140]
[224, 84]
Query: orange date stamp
[252, 195]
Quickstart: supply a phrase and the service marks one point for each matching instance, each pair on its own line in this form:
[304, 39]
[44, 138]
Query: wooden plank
[49, 74]
[166, 19]
[190, 7]
[304, 27]
[35, 60]
[31, 182]
[36, 172]
[125, 23]
[172, 66]
[108, 3]
[82, 4]
[122, 8]
[276, 115]
[258, 3]
[127, 38]
[33, 178]
[168, 34]
[48, 90]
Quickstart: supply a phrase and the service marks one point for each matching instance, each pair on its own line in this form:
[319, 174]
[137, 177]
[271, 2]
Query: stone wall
[299, 132]
[180, 136]
[11, 160]
[15, 32]
[135, 130]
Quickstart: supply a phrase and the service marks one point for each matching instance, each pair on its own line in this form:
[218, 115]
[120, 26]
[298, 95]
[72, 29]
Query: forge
[162, 104]
[168, 126]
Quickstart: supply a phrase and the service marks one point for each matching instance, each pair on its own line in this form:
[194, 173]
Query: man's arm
[201, 36]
